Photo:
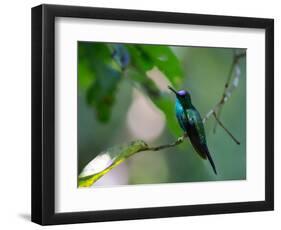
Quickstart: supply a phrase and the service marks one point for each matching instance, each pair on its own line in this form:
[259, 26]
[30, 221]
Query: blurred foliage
[102, 66]
[107, 75]
[96, 61]
[164, 58]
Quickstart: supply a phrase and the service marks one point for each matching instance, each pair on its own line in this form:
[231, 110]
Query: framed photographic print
[141, 114]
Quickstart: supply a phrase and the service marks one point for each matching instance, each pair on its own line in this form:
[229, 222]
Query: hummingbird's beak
[170, 88]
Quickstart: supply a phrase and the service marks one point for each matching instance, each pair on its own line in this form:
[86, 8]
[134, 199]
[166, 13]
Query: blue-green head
[183, 97]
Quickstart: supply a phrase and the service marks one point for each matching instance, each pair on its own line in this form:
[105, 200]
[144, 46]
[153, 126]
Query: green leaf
[140, 60]
[167, 62]
[166, 104]
[101, 94]
[93, 50]
[86, 77]
[107, 160]
[98, 76]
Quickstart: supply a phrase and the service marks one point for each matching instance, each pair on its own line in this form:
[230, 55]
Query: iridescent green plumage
[191, 122]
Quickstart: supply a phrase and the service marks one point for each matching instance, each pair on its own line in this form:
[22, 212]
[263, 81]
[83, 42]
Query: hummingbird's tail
[211, 161]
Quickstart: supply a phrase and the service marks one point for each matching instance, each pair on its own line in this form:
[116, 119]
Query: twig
[177, 142]
[213, 112]
[226, 130]
[227, 87]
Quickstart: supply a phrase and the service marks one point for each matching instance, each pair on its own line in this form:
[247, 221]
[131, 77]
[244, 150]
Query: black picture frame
[43, 114]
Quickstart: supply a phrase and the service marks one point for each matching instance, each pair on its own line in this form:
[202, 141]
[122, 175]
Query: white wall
[15, 113]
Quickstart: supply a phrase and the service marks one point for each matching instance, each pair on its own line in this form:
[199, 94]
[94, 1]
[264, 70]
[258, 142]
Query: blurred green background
[123, 96]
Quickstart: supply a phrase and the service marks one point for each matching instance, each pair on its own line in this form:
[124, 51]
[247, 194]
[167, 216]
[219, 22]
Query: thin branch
[177, 142]
[227, 87]
[213, 112]
[226, 130]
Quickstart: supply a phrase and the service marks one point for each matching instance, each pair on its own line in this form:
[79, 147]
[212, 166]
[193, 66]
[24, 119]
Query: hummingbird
[191, 123]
